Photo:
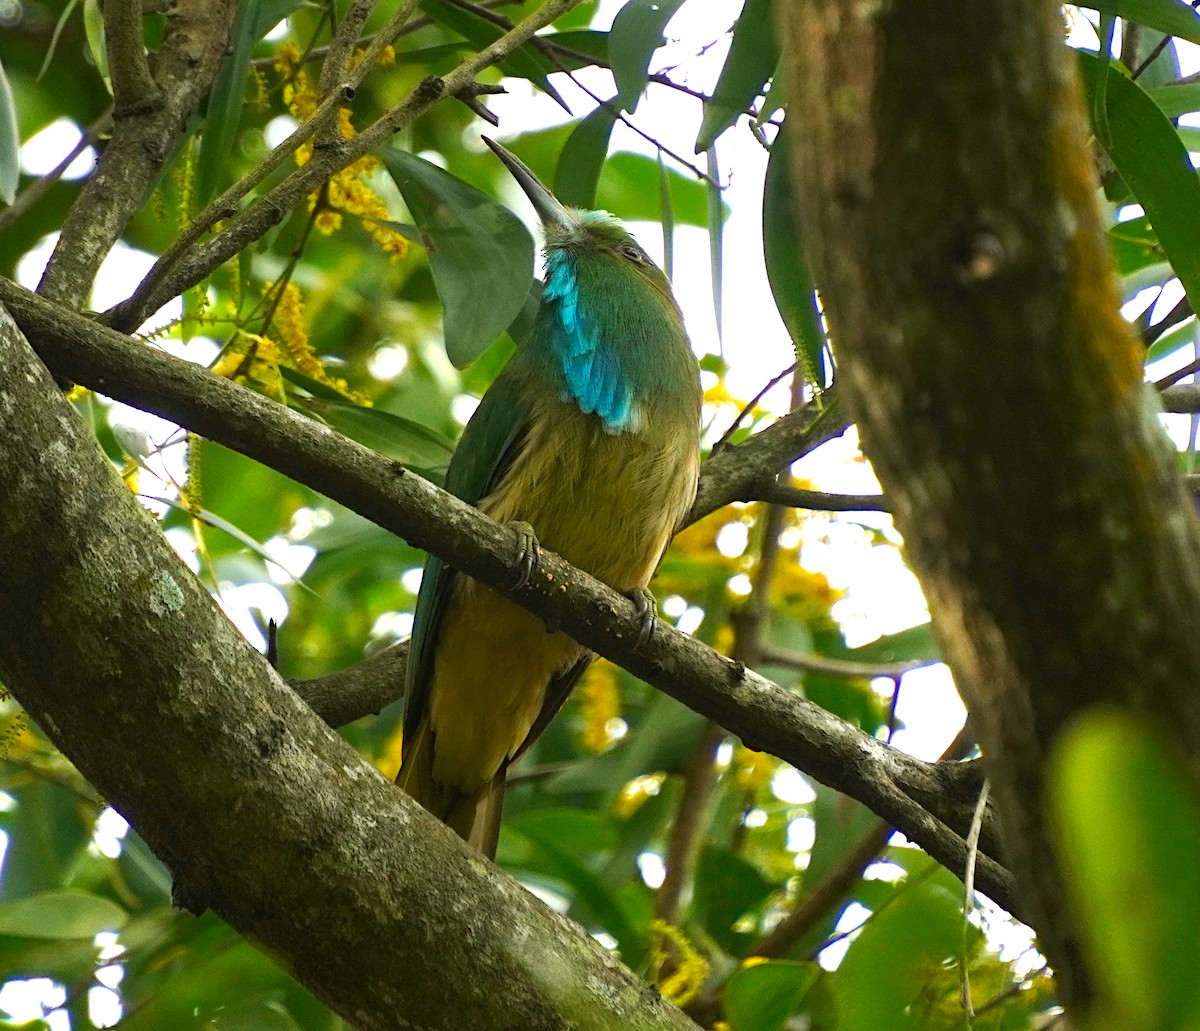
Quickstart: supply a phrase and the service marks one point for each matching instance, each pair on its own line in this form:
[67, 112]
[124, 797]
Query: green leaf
[1134, 245]
[417, 446]
[582, 157]
[522, 63]
[594, 902]
[1127, 818]
[668, 216]
[46, 830]
[915, 643]
[629, 188]
[480, 253]
[637, 31]
[59, 25]
[10, 142]
[763, 997]
[787, 267]
[726, 887]
[590, 47]
[901, 948]
[1175, 99]
[255, 1015]
[752, 58]
[250, 24]
[1148, 154]
[1168, 16]
[93, 27]
[62, 914]
[716, 240]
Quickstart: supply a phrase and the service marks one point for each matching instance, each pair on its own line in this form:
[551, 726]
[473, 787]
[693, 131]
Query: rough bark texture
[931, 803]
[262, 812]
[947, 202]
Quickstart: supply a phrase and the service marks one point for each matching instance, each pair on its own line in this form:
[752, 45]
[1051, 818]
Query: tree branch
[903, 790]
[164, 282]
[261, 811]
[741, 472]
[144, 134]
[962, 263]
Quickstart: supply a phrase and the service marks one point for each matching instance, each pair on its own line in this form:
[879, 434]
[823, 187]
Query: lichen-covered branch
[903, 790]
[948, 206]
[260, 810]
[193, 266]
[148, 116]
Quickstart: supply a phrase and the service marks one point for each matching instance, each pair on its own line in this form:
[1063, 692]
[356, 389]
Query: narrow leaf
[579, 48]
[522, 63]
[637, 31]
[1168, 16]
[1152, 160]
[480, 253]
[668, 216]
[582, 157]
[1177, 98]
[787, 268]
[751, 60]
[716, 237]
[629, 184]
[93, 27]
[10, 142]
[58, 28]
[250, 24]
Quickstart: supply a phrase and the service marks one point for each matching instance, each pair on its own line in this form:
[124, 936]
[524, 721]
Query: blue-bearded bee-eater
[589, 441]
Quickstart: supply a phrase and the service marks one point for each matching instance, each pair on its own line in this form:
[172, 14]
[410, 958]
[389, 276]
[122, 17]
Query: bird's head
[573, 235]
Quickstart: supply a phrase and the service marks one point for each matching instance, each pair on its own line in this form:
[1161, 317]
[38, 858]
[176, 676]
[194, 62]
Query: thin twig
[551, 51]
[777, 493]
[341, 47]
[226, 205]
[415, 25]
[42, 185]
[843, 668]
[700, 776]
[969, 898]
[270, 209]
[750, 405]
[1172, 378]
[144, 139]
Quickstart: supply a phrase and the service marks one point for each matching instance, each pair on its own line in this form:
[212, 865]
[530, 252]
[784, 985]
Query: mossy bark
[948, 204]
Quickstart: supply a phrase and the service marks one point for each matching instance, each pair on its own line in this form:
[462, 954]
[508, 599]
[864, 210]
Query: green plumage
[590, 435]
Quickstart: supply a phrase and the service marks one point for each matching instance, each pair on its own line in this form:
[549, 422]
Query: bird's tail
[474, 817]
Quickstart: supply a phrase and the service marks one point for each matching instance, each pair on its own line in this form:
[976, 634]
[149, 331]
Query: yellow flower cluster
[289, 322]
[634, 794]
[347, 192]
[803, 594]
[600, 704]
[257, 358]
[671, 950]
[754, 769]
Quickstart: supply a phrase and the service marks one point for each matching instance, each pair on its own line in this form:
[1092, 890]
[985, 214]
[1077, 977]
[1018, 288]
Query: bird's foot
[647, 610]
[527, 552]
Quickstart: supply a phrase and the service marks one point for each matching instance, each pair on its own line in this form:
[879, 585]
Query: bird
[588, 444]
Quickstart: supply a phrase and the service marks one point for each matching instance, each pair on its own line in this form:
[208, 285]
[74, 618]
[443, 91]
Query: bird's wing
[490, 441]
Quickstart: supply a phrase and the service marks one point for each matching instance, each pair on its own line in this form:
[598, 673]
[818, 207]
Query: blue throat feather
[590, 366]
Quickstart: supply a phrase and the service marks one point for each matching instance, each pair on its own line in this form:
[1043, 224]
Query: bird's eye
[633, 253]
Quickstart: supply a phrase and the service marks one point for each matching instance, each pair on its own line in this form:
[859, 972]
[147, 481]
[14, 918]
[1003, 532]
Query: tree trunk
[946, 197]
[261, 811]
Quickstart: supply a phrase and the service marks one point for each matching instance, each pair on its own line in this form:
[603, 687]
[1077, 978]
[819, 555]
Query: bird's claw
[527, 552]
[647, 611]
